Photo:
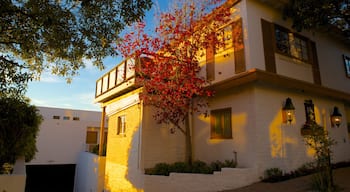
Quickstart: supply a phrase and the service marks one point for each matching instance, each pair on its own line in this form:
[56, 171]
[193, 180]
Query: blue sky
[53, 91]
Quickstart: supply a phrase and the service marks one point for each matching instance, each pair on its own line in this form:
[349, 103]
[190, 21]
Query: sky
[54, 91]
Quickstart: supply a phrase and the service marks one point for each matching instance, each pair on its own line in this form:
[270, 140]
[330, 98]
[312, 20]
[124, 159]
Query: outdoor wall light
[336, 117]
[288, 111]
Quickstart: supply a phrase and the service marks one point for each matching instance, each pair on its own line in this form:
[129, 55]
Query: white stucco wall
[242, 104]
[260, 137]
[90, 173]
[60, 141]
[281, 145]
[329, 50]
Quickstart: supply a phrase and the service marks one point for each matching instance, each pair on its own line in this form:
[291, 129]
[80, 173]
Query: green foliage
[217, 165]
[19, 125]
[273, 173]
[96, 149]
[7, 168]
[319, 141]
[59, 35]
[13, 79]
[316, 14]
[183, 167]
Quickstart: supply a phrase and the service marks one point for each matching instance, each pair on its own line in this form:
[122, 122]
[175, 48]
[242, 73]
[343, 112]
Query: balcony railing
[117, 79]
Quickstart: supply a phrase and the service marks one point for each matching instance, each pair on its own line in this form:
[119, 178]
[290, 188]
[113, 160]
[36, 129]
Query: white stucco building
[252, 82]
[63, 135]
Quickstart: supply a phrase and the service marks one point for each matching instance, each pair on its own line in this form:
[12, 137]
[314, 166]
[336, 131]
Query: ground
[301, 184]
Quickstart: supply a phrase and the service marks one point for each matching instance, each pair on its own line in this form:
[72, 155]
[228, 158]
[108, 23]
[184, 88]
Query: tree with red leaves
[170, 76]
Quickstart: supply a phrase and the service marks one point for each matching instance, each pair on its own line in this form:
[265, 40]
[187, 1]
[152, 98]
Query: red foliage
[171, 79]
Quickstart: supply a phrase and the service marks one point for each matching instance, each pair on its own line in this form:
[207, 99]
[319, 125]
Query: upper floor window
[220, 124]
[291, 44]
[224, 36]
[76, 118]
[347, 65]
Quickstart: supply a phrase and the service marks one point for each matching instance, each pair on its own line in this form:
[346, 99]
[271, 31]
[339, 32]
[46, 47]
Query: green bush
[273, 175]
[182, 167]
[201, 167]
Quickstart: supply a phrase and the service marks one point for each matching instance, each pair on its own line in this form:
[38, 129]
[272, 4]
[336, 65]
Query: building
[63, 135]
[272, 66]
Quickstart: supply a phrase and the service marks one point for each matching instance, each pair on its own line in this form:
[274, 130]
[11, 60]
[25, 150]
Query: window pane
[105, 83]
[91, 137]
[112, 76]
[130, 68]
[99, 87]
[121, 125]
[291, 44]
[282, 41]
[221, 123]
[121, 73]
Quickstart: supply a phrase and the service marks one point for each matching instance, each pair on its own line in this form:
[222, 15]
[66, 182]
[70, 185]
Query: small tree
[19, 125]
[319, 140]
[170, 78]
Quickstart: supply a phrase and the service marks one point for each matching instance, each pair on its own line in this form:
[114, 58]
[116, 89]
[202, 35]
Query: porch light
[336, 117]
[288, 111]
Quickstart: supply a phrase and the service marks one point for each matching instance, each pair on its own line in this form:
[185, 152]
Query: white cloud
[47, 77]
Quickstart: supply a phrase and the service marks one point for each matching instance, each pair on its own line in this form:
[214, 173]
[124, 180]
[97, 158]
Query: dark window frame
[302, 48]
[221, 123]
[347, 65]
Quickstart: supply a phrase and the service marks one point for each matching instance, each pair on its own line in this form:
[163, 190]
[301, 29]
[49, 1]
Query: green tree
[320, 14]
[19, 125]
[37, 35]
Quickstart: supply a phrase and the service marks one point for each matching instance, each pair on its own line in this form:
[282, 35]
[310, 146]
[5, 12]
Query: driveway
[301, 184]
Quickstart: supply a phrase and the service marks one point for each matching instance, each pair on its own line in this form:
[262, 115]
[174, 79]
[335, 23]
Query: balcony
[119, 80]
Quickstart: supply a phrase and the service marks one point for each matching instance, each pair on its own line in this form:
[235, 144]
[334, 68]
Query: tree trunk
[188, 155]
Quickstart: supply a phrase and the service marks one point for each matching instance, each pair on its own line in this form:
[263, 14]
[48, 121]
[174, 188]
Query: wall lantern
[336, 117]
[288, 111]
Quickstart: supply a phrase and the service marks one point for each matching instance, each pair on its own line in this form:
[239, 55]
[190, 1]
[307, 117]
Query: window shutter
[314, 62]
[268, 41]
[238, 45]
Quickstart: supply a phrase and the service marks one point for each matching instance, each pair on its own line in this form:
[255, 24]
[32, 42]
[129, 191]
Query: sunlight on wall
[123, 153]
[278, 138]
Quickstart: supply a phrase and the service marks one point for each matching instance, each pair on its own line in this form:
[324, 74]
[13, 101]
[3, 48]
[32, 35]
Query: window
[121, 73]
[220, 123]
[121, 125]
[347, 65]
[76, 118]
[91, 137]
[66, 118]
[309, 111]
[56, 117]
[224, 36]
[291, 44]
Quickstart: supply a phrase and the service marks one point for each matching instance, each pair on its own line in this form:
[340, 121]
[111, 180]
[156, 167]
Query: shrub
[182, 167]
[273, 175]
[201, 167]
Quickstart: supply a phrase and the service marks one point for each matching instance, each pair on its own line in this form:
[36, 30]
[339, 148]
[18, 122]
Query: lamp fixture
[336, 117]
[288, 111]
